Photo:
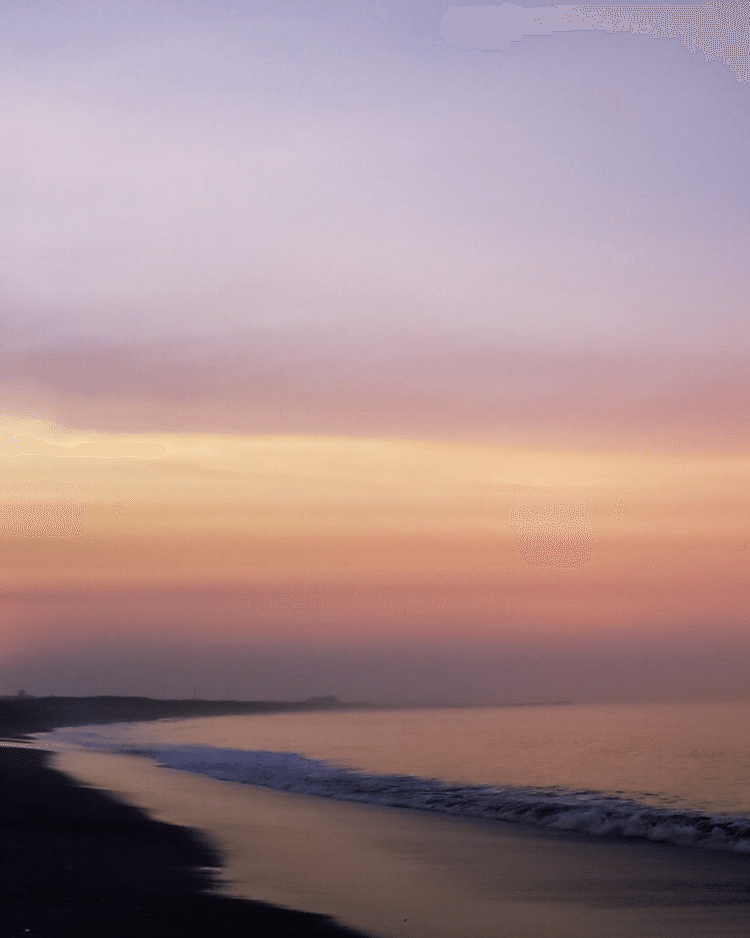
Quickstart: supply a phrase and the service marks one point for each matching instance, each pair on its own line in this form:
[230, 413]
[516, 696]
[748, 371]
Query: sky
[390, 350]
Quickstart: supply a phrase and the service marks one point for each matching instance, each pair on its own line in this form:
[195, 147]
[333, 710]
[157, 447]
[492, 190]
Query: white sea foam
[590, 812]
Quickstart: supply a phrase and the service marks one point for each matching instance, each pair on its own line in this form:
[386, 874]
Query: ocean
[538, 821]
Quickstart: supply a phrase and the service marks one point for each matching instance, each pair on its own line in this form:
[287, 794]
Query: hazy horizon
[363, 349]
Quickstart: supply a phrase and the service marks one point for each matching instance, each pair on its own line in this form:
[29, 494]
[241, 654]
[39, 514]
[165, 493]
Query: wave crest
[589, 812]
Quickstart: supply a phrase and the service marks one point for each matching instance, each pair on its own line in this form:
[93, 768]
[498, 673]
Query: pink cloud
[387, 384]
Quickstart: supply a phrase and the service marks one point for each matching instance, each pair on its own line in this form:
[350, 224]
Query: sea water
[676, 773]
[627, 821]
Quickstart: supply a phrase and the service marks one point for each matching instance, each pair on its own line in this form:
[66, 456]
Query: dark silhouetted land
[27, 715]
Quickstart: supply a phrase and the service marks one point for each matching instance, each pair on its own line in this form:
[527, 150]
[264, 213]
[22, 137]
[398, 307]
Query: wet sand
[407, 874]
[75, 863]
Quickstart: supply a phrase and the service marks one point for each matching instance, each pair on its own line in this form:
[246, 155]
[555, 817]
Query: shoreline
[21, 716]
[110, 843]
[77, 861]
[406, 873]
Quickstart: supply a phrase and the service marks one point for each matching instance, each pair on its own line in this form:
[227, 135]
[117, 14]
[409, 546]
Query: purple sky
[322, 218]
[331, 202]
[177, 172]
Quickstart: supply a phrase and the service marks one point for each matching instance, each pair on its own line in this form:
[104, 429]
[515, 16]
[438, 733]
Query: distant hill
[21, 715]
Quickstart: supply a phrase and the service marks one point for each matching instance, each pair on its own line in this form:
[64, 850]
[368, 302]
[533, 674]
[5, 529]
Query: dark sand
[76, 862]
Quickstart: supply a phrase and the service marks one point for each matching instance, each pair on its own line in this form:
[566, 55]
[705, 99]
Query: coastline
[20, 716]
[405, 873]
[115, 844]
[77, 861]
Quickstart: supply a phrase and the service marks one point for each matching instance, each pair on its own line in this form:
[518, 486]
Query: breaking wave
[590, 812]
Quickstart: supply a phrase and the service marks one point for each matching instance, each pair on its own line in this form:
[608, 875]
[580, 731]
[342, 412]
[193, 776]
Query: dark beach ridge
[75, 861]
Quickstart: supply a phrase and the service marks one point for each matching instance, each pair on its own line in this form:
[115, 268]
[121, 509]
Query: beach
[76, 861]
[109, 842]
[374, 463]
[397, 873]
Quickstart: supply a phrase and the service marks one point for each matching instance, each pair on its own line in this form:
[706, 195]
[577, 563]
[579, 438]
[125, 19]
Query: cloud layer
[375, 362]
[392, 384]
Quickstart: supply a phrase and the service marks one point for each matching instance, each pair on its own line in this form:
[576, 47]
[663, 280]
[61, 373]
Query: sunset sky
[337, 357]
